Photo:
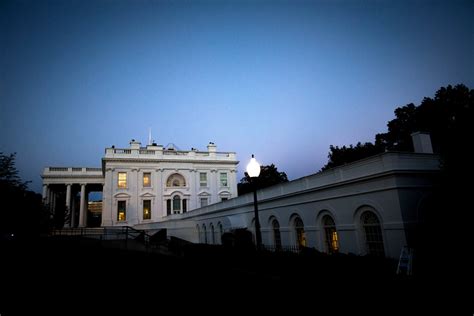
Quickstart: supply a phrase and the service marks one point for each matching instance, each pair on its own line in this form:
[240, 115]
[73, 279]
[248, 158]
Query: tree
[342, 155]
[269, 175]
[445, 117]
[20, 207]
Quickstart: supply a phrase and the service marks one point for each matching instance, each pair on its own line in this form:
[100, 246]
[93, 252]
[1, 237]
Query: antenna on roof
[149, 136]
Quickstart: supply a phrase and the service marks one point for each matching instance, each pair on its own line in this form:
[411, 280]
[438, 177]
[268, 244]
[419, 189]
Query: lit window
[330, 234]
[122, 180]
[146, 209]
[147, 179]
[121, 210]
[203, 179]
[223, 178]
[204, 202]
[300, 234]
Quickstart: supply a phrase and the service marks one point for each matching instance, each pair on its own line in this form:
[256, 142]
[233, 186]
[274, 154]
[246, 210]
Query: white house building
[147, 184]
[144, 184]
[369, 206]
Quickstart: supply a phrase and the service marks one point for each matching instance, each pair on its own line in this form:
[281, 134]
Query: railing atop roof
[160, 152]
[72, 170]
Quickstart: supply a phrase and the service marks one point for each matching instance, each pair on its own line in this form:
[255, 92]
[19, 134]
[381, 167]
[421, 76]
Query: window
[223, 178]
[176, 204]
[146, 209]
[300, 234]
[213, 237]
[224, 199]
[204, 233]
[203, 179]
[204, 201]
[122, 180]
[276, 234]
[185, 207]
[330, 234]
[221, 232]
[147, 179]
[121, 210]
[176, 180]
[168, 207]
[373, 234]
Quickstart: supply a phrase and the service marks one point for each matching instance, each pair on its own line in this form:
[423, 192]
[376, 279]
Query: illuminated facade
[143, 184]
[370, 206]
[147, 184]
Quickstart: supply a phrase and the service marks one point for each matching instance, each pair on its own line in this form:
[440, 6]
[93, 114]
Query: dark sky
[280, 79]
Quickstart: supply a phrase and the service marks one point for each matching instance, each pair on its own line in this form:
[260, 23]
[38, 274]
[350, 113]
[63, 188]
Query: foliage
[20, 207]
[269, 175]
[9, 178]
[342, 155]
[446, 117]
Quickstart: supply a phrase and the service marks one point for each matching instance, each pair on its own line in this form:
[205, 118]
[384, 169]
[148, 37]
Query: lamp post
[253, 170]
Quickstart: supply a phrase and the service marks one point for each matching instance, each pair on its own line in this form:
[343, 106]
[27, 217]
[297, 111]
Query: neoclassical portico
[61, 185]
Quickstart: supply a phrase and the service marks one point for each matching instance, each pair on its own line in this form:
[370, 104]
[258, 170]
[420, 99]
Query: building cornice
[134, 160]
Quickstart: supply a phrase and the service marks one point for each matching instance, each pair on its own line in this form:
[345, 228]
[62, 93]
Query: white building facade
[371, 206]
[147, 184]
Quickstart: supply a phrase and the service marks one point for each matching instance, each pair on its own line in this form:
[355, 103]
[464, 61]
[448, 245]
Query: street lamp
[253, 170]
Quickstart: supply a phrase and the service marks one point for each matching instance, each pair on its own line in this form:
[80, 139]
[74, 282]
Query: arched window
[372, 234]
[330, 234]
[176, 204]
[300, 234]
[221, 232]
[204, 232]
[213, 238]
[276, 234]
[176, 180]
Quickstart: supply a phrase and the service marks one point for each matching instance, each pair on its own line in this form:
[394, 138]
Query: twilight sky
[280, 79]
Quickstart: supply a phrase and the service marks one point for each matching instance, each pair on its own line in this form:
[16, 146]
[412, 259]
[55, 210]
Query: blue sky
[280, 79]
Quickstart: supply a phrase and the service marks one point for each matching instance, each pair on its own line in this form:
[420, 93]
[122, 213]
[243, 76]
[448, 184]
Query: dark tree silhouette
[342, 155]
[269, 175]
[445, 117]
[21, 208]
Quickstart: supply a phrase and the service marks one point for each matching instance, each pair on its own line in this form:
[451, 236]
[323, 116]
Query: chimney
[422, 142]
[211, 147]
[134, 144]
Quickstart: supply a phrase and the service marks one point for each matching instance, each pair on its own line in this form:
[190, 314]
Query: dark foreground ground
[58, 276]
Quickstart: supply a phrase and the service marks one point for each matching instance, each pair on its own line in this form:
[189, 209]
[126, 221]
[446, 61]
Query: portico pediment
[224, 192]
[147, 195]
[122, 195]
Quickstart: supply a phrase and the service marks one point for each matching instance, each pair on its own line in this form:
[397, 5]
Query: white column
[68, 201]
[73, 211]
[45, 193]
[50, 200]
[83, 210]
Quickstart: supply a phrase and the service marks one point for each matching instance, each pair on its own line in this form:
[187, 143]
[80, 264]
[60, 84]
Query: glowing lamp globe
[253, 168]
